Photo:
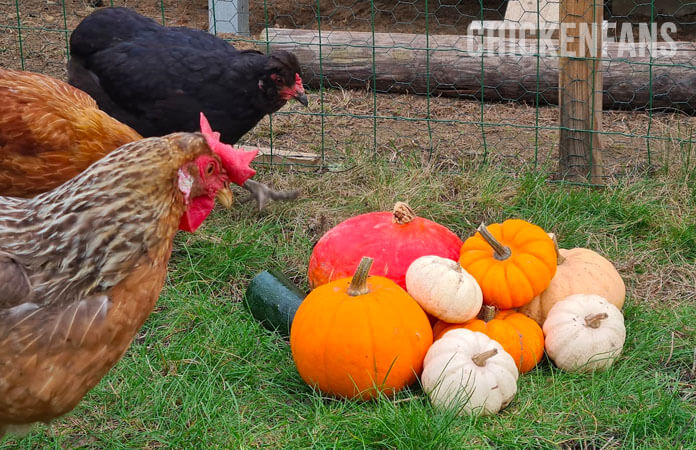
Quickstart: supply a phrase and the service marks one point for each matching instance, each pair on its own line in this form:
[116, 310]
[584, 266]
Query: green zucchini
[273, 300]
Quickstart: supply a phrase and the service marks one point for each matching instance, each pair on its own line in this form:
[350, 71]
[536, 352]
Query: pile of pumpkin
[466, 317]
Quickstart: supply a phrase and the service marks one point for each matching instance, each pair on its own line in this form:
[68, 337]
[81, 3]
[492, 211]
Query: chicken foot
[263, 194]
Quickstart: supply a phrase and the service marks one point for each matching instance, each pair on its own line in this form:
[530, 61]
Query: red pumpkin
[393, 239]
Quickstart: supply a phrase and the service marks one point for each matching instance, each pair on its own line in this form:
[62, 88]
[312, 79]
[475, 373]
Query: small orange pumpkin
[519, 335]
[357, 337]
[513, 262]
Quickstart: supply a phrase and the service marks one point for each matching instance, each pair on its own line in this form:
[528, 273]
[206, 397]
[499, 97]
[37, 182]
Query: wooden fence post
[580, 90]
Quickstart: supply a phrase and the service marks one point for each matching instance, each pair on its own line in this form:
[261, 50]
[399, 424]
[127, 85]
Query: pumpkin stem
[595, 320]
[559, 258]
[502, 252]
[487, 313]
[403, 213]
[358, 285]
[480, 358]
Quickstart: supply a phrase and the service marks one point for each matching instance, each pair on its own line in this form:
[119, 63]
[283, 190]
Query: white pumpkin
[444, 289]
[470, 372]
[584, 332]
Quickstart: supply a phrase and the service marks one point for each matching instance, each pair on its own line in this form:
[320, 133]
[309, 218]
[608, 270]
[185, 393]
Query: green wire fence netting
[432, 80]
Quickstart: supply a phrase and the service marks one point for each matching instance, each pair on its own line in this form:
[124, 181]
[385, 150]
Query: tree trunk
[509, 70]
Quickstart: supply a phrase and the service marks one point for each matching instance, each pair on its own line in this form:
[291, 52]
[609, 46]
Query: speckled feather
[50, 132]
[93, 255]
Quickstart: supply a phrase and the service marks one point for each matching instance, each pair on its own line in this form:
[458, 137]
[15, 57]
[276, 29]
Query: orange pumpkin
[513, 262]
[357, 337]
[519, 335]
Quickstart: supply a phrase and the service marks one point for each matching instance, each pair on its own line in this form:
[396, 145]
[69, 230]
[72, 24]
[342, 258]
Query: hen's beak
[225, 197]
[301, 97]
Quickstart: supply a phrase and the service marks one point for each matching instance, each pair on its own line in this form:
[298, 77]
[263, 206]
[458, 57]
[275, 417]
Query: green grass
[203, 373]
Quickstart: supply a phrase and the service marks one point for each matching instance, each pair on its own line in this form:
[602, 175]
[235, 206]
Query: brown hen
[81, 266]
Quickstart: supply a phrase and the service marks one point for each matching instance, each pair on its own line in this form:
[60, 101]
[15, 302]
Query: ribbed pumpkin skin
[345, 346]
[583, 271]
[573, 344]
[519, 335]
[524, 275]
[452, 379]
[392, 246]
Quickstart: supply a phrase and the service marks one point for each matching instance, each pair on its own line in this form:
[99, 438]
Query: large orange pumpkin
[357, 337]
[519, 335]
[512, 262]
[393, 239]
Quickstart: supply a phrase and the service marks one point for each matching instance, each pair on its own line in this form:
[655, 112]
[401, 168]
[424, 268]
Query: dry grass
[516, 136]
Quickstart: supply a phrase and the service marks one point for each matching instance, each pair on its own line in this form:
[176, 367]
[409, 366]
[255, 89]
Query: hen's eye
[210, 169]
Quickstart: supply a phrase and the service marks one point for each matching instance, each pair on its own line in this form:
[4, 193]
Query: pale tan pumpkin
[579, 271]
[444, 289]
[584, 332]
[469, 372]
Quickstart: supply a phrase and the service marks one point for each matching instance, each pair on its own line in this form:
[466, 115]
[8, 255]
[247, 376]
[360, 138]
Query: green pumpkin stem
[487, 313]
[502, 252]
[559, 258]
[595, 320]
[480, 358]
[403, 213]
[358, 285]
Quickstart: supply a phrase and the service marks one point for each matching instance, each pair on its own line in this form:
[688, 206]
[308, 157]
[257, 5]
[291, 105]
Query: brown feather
[50, 132]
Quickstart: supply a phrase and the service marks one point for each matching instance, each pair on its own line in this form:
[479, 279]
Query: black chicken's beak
[302, 98]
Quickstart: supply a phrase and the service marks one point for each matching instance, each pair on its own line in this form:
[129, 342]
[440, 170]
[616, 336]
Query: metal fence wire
[455, 82]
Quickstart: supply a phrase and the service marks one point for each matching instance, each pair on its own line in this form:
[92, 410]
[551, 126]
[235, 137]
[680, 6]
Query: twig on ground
[671, 350]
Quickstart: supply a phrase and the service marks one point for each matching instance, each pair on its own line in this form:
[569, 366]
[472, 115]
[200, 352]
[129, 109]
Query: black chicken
[158, 79]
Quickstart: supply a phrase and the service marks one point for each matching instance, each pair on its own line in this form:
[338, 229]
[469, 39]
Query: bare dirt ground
[460, 132]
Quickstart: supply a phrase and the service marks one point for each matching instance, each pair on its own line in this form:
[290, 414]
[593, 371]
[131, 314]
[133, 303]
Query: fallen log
[289, 158]
[509, 70]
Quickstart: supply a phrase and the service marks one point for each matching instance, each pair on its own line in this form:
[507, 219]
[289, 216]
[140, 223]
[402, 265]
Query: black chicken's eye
[210, 169]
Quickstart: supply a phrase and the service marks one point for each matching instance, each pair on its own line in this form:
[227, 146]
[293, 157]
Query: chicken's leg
[262, 193]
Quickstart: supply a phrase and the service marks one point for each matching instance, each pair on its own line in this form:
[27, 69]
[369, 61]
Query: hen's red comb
[235, 161]
[298, 81]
